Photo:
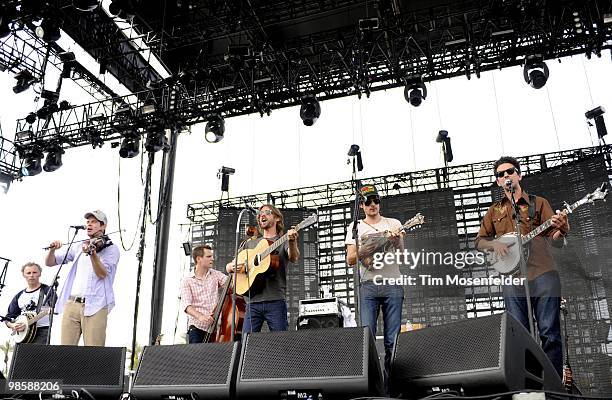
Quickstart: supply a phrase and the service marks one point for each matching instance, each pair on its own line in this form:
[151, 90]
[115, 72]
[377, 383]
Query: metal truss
[9, 169]
[467, 176]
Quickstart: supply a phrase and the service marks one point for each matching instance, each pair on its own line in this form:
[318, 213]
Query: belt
[77, 299]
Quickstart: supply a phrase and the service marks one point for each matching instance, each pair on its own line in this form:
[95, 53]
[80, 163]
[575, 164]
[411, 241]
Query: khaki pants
[74, 323]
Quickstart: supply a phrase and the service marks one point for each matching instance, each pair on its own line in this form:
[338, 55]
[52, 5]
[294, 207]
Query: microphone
[77, 227]
[508, 183]
[251, 209]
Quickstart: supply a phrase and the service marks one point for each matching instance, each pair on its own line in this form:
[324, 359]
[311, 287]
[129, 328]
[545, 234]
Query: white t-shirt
[381, 268]
[26, 298]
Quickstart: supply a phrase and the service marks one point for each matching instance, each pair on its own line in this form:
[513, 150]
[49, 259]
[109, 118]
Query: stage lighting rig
[25, 79]
[69, 62]
[31, 118]
[31, 161]
[125, 9]
[50, 105]
[215, 129]
[224, 174]
[446, 145]
[48, 30]
[8, 13]
[310, 110]
[54, 158]
[156, 140]
[415, 91]
[130, 146]
[596, 114]
[535, 71]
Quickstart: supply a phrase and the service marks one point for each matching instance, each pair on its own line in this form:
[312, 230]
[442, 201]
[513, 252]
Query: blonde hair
[30, 264]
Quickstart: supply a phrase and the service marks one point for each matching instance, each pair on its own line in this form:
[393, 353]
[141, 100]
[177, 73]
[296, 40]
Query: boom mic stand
[356, 184]
[522, 261]
[247, 208]
[53, 291]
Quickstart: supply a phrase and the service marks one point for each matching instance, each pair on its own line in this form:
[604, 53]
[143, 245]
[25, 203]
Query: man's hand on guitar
[501, 249]
[292, 235]
[230, 267]
[559, 221]
[18, 327]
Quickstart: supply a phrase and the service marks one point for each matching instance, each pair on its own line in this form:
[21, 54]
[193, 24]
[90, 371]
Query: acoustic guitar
[257, 260]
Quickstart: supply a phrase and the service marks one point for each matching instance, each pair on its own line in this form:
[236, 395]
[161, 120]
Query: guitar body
[28, 334]
[509, 264]
[254, 266]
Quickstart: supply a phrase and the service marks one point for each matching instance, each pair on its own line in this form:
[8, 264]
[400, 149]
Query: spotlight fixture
[596, 114]
[355, 152]
[32, 162]
[535, 71]
[25, 79]
[415, 91]
[69, 62]
[446, 145]
[215, 129]
[48, 30]
[31, 118]
[130, 145]
[85, 5]
[310, 110]
[156, 140]
[50, 105]
[122, 8]
[224, 174]
[7, 15]
[54, 159]
[92, 135]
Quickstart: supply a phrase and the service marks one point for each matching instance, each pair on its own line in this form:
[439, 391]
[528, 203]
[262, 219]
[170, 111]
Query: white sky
[278, 152]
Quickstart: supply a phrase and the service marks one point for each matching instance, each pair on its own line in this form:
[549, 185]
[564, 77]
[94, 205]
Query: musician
[374, 295]
[87, 295]
[31, 299]
[267, 293]
[200, 292]
[543, 279]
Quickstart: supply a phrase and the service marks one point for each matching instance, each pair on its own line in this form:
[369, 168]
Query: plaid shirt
[202, 294]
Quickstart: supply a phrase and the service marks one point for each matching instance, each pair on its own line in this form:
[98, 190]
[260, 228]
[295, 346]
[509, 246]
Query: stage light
[50, 105]
[31, 118]
[92, 135]
[64, 105]
[122, 8]
[130, 145]
[32, 162]
[535, 71]
[48, 30]
[7, 15]
[596, 114]
[310, 110]
[215, 129]
[85, 5]
[156, 141]
[224, 174]
[415, 91]
[446, 145]
[25, 79]
[54, 159]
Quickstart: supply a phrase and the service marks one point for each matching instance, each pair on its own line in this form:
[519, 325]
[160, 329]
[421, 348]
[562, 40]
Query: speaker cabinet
[479, 355]
[99, 370]
[320, 321]
[204, 369]
[338, 363]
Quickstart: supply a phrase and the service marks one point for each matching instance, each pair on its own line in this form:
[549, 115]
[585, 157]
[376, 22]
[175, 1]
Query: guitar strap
[41, 295]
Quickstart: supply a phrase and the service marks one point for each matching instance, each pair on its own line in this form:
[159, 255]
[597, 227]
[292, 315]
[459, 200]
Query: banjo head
[510, 263]
[28, 333]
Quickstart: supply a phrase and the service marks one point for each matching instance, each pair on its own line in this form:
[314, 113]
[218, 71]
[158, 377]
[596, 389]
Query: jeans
[273, 312]
[389, 298]
[195, 335]
[545, 291]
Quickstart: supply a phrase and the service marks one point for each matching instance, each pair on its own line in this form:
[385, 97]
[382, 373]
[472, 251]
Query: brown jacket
[499, 220]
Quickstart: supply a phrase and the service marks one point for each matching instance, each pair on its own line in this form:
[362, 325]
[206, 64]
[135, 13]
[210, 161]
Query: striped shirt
[201, 294]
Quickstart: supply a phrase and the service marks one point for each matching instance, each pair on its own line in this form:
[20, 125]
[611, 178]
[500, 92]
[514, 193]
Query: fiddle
[96, 244]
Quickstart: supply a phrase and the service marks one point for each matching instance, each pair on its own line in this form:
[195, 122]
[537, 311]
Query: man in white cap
[87, 296]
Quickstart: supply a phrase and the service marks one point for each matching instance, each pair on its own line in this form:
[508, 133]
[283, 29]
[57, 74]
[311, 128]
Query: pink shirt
[202, 294]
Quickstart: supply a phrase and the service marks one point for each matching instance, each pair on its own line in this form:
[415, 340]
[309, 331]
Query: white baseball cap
[97, 214]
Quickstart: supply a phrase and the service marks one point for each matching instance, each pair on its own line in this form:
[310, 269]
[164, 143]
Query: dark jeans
[273, 312]
[545, 293]
[196, 335]
[389, 299]
[41, 335]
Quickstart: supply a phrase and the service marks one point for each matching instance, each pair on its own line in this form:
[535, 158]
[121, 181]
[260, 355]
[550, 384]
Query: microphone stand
[234, 305]
[356, 271]
[54, 285]
[522, 261]
[3, 273]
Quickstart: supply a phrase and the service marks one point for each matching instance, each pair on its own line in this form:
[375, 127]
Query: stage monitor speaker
[99, 370]
[477, 356]
[319, 321]
[337, 363]
[202, 370]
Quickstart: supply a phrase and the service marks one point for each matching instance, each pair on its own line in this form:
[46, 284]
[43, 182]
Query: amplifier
[312, 307]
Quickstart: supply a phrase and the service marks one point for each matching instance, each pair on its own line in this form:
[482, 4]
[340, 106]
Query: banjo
[509, 264]
[29, 319]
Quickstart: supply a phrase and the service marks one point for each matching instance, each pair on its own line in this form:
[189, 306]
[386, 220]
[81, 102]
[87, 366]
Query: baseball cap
[369, 190]
[97, 214]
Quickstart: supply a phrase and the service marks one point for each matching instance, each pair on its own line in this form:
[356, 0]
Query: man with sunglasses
[268, 292]
[374, 295]
[543, 279]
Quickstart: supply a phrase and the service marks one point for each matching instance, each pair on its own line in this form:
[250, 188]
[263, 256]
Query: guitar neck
[547, 224]
[39, 316]
[274, 246]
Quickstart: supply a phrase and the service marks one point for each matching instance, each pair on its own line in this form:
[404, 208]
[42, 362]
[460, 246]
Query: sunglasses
[371, 199]
[264, 212]
[510, 171]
